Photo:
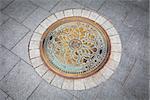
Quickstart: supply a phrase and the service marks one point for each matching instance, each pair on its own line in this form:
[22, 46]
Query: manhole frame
[66, 20]
[75, 84]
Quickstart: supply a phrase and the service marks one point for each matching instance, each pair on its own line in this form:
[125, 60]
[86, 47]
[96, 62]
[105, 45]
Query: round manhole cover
[75, 47]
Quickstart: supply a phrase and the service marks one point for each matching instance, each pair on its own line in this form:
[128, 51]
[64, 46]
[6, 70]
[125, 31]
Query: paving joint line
[84, 6]
[16, 55]
[38, 6]
[7, 94]
[19, 40]
[17, 21]
[79, 3]
[73, 94]
[102, 85]
[101, 6]
[33, 3]
[10, 70]
[44, 74]
[127, 77]
[5, 20]
[137, 6]
[52, 80]
[125, 93]
[34, 89]
[34, 57]
[7, 5]
[15, 65]
[29, 15]
[38, 66]
[55, 6]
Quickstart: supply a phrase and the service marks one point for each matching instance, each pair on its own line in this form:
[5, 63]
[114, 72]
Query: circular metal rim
[68, 75]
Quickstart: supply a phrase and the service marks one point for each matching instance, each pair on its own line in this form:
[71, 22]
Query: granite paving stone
[48, 92]
[137, 19]
[92, 4]
[143, 4]
[119, 10]
[74, 98]
[20, 82]
[125, 33]
[46, 4]
[21, 49]
[11, 32]
[143, 49]
[129, 96]
[3, 18]
[65, 4]
[137, 45]
[19, 10]
[89, 94]
[7, 61]
[9, 98]
[137, 82]
[115, 12]
[3, 96]
[74, 93]
[5, 3]
[111, 90]
[35, 18]
[124, 67]
[117, 17]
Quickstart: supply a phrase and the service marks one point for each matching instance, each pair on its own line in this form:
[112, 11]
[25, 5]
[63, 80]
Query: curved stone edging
[75, 84]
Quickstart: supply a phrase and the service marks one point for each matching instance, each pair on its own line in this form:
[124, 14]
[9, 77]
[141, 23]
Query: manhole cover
[75, 47]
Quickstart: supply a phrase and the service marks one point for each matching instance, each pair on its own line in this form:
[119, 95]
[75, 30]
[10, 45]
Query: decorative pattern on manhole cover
[75, 49]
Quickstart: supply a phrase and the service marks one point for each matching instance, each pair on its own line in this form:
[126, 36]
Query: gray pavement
[19, 81]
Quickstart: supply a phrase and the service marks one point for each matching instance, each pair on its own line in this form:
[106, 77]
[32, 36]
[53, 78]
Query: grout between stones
[34, 57]
[29, 15]
[16, 55]
[34, 90]
[127, 77]
[102, 5]
[72, 94]
[55, 5]
[10, 70]
[84, 7]
[17, 22]
[20, 40]
[38, 6]
[7, 94]
[7, 5]
[37, 66]
[5, 20]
